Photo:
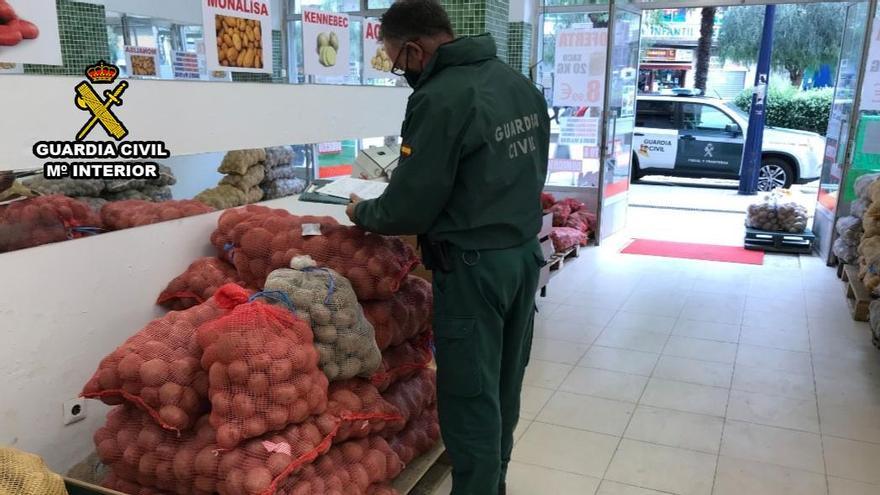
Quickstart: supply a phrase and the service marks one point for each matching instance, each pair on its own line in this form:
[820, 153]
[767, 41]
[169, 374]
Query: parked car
[702, 137]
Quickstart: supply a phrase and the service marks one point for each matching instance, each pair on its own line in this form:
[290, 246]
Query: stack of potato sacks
[573, 224]
[868, 191]
[849, 228]
[245, 170]
[280, 179]
[97, 192]
[281, 391]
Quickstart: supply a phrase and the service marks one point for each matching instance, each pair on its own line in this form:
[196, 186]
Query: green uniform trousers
[483, 321]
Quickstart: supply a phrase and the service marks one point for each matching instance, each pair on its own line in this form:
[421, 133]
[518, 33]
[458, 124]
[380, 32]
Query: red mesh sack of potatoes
[158, 368]
[262, 370]
[582, 220]
[413, 395]
[405, 315]
[547, 201]
[258, 241]
[404, 361]
[197, 284]
[358, 467]
[565, 238]
[45, 219]
[561, 212]
[361, 409]
[118, 215]
[420, 435]
[381, 489]
[114, 483]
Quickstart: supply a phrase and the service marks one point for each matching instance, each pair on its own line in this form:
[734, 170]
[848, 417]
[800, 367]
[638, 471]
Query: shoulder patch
[405, 150]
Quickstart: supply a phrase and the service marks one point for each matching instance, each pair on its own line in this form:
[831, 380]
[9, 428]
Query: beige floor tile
[594, 317]
[605, 384]
[721, 332]
[840, 486]
[655, 303]
[557, 351]
[587, 413]
[858, 461]
[772, 410]
[855, 421]
[527, 479]
[705, 350]
[791, 306]
[774, 359]
[568, 331]
[840, 347]
[713, 312]
[742, 477]
[622, 360]
[634, 340]
[532, 400]
[662, 468]
[646, 323]
[796, 386]
[609, 487]
[520, 430]
[765, 337]
[686, 397]
[676, 429]
[773, 320]
[844, 370]
[545, 374]
[787, 448]
[844, 329]
[693, 371]
[566, 449]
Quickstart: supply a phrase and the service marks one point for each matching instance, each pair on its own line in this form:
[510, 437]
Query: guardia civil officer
[472, 165]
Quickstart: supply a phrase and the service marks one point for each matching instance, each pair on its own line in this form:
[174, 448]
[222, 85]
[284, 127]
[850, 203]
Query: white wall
[65, 306]
[199, 117]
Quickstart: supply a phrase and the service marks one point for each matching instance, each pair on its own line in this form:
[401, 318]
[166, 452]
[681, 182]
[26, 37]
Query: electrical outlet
[74, 410]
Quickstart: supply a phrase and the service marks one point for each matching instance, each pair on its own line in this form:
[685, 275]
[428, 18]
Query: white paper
[346, 186]
[311, 229]
[579, 130]
[322, 24]
[46, 48]
[580, 67]
[260, 11]
[871, 85]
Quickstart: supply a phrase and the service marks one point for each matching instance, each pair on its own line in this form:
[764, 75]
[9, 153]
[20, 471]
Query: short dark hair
[411, 19]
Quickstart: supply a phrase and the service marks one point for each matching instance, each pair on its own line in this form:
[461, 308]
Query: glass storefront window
[379, 4]
[336, 159]
[296, 6]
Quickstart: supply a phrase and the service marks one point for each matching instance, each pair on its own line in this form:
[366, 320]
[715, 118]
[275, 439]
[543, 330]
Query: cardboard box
[376, 163]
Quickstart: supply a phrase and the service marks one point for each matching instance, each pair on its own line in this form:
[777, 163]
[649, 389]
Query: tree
[805, 36]
[704, 47]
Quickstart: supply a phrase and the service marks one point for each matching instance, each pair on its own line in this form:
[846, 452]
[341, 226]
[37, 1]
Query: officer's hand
[349, 210]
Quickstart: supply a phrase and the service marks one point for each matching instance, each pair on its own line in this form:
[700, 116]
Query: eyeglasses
[396, 69]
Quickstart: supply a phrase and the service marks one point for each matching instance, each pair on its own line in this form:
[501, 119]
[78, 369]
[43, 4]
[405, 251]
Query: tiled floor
[664, 376]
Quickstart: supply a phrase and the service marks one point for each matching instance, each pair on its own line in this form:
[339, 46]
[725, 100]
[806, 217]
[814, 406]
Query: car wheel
[775, 173]
[637, 173]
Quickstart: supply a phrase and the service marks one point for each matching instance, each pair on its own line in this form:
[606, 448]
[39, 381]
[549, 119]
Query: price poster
[871, 84]
[580, 67]
[186, 65]
[142, 61]
[579, 131]
[238, 35]
[326, 43]
[377, 63]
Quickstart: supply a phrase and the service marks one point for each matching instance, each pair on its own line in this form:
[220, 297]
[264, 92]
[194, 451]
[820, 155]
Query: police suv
[701, 137]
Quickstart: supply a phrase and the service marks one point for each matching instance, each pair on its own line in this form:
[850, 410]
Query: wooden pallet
[779, 242]
[857, 295]
[557, 261]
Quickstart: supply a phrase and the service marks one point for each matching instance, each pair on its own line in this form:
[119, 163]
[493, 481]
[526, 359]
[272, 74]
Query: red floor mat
[708, 252]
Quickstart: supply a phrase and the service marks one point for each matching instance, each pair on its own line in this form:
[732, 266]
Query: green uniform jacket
[474, 155]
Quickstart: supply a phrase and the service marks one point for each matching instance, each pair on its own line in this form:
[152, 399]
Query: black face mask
[412, 77]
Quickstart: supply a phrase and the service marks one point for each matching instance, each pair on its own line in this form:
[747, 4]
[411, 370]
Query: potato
[326, 334]
[257, 480]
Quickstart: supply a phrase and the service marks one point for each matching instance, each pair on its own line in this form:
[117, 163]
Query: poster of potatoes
[326, 43]
[377, 63]
[238, 35]
[142, 61]
[29, 32]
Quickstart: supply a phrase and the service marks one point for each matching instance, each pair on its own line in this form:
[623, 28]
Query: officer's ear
[417, 54]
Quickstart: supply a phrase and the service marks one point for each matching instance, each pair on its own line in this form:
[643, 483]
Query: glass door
[832, 199]
[619, 118]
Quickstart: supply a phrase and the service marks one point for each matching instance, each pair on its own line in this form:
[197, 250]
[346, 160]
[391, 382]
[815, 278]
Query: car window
[701, 117]
[655, 113]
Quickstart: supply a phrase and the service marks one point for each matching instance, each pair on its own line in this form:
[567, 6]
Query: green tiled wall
[276, 76]
[472, 17]
[83, 31]
[519, 46]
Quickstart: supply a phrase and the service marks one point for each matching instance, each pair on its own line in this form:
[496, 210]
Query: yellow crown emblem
[102, 73]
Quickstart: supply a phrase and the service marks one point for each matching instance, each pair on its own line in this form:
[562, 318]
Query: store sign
[238, 35]
[186, 65]
[326, 43]
[377, 64]
[34, 38]
[331, 148]
[580, 67]
[142, 61]
[871, 84]
[579, 131]
[563, 165]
